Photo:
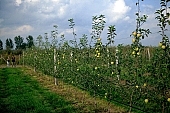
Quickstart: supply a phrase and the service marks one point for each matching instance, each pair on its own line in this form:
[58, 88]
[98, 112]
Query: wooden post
[19, 60]
[1, 59]
[108, 64]
[71, 58]
[117, 62]
[23, 58]
[55, 68]
[34, 62]
[149, 54]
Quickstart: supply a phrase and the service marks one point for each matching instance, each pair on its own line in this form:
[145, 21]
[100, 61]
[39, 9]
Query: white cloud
[18, 2]
[56, 1]
[126, 18]
[59, 2]
[21, 30]
[31, 1]
[43, 14]
[51, 8]
[24, 28]
[116, 10]
[68, 31]
[62, 11]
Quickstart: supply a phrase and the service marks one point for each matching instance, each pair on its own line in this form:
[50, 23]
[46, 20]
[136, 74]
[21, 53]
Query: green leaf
[162, 10]
[169, 22]
[157, 12]
[162, 15]
[158, 17]
[158, 24]
[162, 2]
[137, 14]
[163, 5]
[142, 37]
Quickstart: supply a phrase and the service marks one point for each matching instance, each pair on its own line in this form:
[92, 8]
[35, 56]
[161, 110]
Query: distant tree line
[19, 43]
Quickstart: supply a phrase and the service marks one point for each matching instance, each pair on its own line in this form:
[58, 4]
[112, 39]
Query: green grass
[20, 94]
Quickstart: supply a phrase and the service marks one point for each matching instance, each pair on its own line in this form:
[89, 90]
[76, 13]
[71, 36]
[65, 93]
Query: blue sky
[36, 17]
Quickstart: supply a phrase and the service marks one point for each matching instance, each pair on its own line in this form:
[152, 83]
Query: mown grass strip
[80, 99]
[20, 94]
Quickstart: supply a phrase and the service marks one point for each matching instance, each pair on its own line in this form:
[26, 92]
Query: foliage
[111, 34]
[139, 33]
[134, 76]
[30, 41]
[1, 45]
[98, 24]
[161, 60]
[19, 42]
[54, 34]
[72, 24]
[39, 41]
[83, 41]
[9, 44]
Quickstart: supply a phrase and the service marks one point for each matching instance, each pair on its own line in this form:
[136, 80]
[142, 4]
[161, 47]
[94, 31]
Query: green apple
[138, 35]
[133, 53]
[137, 49]
[146, 100]
[160, 44]
[168, 99]
[163, 46]
[133, 40]
[99, 39]
[144, 84]
[134, 33]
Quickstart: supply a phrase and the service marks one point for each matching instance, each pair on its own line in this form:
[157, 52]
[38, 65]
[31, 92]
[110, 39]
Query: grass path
[81, 100]
[19, 93]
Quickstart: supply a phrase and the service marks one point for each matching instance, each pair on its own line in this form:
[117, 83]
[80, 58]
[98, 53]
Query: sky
[37, 17]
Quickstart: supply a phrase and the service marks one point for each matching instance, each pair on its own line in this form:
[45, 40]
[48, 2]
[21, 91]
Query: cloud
[24, 28]
[126, 18]
[66, 32]
[116, 11]
[35, 17]
[1, 20]
[62, 11]
[48, 8]
[11, 32]
[18, 2]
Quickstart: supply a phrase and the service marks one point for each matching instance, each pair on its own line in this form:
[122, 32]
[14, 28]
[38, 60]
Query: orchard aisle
[80, 99]
[19, 93]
